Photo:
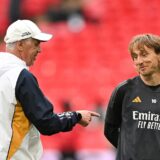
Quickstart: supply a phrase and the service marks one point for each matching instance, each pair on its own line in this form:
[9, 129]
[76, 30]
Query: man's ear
[19, 45]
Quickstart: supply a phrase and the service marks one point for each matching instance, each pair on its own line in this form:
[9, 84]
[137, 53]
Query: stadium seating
[4, 18]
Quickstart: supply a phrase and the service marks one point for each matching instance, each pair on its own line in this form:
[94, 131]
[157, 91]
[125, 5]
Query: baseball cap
[23, 29]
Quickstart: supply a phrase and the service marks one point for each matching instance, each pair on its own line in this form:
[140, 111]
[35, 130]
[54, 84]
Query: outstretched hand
[87, 117]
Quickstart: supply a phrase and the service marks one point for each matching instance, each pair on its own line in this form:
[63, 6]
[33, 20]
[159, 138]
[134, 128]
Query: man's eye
[144, 54]
[134, 57]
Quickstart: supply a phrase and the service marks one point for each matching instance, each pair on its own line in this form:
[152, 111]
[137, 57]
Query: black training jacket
[132, 122]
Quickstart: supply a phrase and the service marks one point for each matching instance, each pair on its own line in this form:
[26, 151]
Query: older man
[24, 110]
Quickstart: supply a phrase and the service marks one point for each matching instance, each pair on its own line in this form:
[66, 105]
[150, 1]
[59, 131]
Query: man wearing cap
[24, 110]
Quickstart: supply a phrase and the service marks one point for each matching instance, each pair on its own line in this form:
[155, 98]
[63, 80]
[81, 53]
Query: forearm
[56, 123]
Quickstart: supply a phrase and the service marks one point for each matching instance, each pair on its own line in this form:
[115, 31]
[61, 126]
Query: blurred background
[86, 59]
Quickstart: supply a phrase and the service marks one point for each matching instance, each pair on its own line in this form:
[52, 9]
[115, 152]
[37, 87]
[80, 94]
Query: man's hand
[87, 117]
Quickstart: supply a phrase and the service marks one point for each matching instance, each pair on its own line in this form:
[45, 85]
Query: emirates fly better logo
[146, 120]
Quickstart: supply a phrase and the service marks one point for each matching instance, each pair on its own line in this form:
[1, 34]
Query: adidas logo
[137, 100]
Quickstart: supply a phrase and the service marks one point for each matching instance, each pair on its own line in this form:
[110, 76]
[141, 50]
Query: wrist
[79, 116]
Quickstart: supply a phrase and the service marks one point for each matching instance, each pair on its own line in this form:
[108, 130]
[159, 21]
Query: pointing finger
[95, 114]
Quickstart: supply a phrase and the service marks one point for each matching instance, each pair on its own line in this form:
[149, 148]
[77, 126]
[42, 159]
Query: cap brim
[43, 37]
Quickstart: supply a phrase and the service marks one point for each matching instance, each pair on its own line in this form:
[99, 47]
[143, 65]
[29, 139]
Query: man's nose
[139, 60]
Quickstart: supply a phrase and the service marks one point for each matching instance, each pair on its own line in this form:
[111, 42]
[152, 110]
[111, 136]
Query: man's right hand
[87, 117]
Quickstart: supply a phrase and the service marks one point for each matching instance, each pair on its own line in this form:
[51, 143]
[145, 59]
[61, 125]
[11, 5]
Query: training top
[132, 122]
[25, 112]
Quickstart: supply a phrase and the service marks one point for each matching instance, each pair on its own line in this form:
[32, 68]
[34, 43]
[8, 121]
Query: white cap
[23, 29]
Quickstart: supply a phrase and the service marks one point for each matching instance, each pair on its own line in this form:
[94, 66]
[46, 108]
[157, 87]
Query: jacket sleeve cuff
[79, 116]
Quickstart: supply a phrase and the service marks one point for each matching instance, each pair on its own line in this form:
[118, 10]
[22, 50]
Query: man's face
[31, 48]
[146, 61]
